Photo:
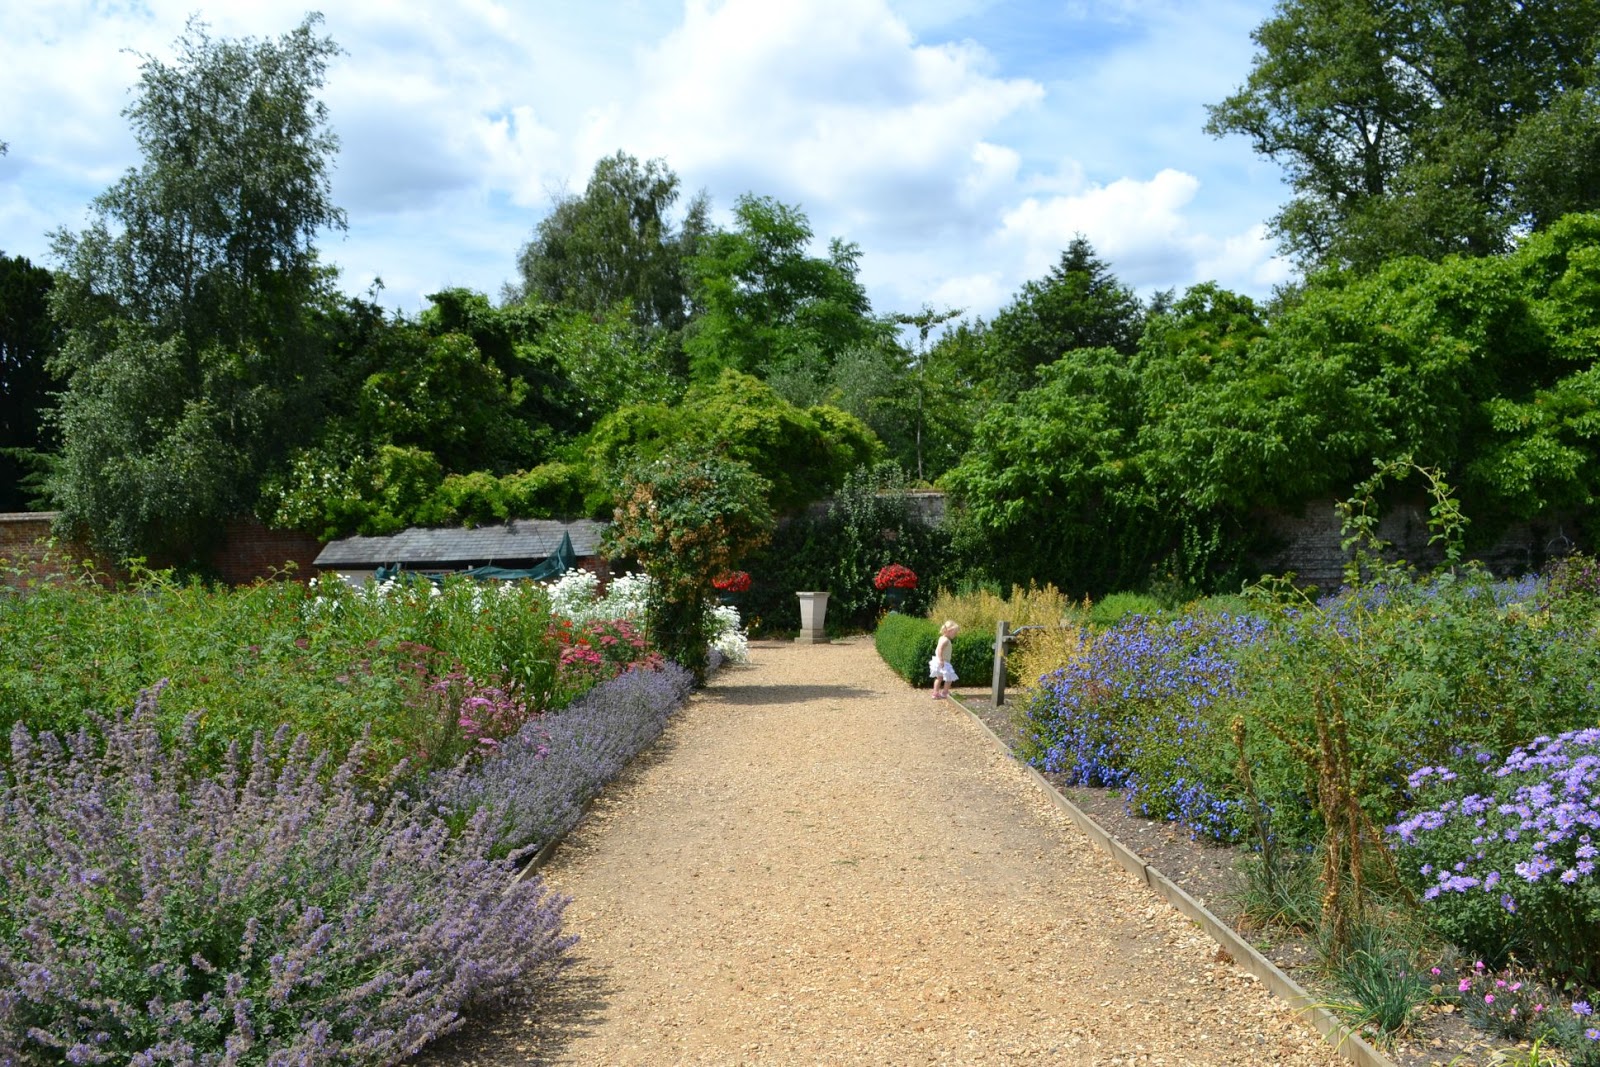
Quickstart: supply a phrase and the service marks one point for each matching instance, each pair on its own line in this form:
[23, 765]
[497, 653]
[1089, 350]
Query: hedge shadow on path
[758, 695]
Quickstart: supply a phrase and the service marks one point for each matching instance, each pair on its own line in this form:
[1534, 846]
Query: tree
[923, 322]
[192, 358]
[1049, 492]
[465, 389]
[617, 245]
[766, 305]
[1422, 127]
[1079, 304]
[686, 518]
[28, 340]
[1200, 440]
[801, 454]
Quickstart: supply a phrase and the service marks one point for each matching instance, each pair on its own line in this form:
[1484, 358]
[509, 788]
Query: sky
[961, 144]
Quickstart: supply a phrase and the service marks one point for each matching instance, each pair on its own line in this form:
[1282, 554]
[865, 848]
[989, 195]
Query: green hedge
[906, 645]
[1112, 609]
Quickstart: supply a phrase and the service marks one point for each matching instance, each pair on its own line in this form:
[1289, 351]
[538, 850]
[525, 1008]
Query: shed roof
[519, 539]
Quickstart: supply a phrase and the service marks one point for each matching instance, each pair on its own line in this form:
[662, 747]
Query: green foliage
[1155, 471]
[470, 397]
[868, 525]
[1200, 437]
[1387, 986]
[766, 305]
[1048, 475]
[439, 394]
[327, 661]
[907, 643]
[802, 454]
[615, 246]
[28, 340]
[686, 519]
[608, 362]
[333, 490]
[192, 362]
[1079, 304]
[1112, 609]
[1426, 127]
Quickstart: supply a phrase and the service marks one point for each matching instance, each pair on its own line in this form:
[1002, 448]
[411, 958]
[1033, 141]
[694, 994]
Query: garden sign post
[813, 608]
[997, 687]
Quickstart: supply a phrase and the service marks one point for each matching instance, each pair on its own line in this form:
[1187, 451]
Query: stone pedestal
[813, 609]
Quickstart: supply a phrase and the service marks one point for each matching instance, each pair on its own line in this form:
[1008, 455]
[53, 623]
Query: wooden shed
[521, 544]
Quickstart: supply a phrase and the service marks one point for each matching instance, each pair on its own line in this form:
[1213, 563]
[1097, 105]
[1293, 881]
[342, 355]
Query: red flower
[732, 581]
[896, 576]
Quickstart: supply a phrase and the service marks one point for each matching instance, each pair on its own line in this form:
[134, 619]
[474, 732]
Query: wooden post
[997, 689]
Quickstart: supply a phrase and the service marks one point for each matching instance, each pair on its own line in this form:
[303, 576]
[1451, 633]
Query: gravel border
[1345, 1041]
[819, 865]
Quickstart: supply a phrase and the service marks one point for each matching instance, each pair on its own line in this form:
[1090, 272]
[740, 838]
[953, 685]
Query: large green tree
[916, 397]
[28, 339]
[1078, 304]
[466, 389]
[194, 356]
[1049, 490]
[617, 244]
[1422, 126]
[766, 305]
[801, 454]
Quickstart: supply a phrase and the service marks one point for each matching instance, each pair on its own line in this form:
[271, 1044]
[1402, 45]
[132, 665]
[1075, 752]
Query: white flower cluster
[575, 596]
[731, 640]
[401, 594]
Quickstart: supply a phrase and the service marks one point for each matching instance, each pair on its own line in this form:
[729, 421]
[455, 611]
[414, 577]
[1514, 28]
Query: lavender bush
[541, 778]
[268, 912]
[1506, 854]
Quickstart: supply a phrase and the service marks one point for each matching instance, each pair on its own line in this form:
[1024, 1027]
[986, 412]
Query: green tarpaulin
[564, 559]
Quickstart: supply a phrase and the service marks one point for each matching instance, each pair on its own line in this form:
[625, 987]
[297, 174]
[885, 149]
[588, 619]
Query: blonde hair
[951, 625]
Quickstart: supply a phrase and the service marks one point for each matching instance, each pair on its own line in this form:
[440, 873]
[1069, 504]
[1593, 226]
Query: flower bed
[184, 884]
[1447, 710]
[159, 912]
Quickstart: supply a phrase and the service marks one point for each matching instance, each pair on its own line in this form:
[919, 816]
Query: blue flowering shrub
[1414, 669]
[1503, 853]
[1417, 671]
[1144, 707]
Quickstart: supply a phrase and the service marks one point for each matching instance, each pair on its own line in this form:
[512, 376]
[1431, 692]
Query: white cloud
[825, 101]
[960, 143]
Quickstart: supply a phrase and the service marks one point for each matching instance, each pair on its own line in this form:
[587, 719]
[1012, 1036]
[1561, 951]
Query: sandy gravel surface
[819, 865]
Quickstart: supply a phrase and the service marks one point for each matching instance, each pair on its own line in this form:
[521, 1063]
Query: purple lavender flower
[540, 779]
[271, 910]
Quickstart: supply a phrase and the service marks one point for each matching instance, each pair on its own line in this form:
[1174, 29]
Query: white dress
[938, 668]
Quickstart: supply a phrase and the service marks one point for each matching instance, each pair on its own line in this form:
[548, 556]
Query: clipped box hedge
[906, 645]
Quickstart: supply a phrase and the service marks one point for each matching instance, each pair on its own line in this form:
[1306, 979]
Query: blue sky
[960, 143]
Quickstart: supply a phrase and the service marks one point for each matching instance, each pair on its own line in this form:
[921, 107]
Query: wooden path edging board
[1345, 1041]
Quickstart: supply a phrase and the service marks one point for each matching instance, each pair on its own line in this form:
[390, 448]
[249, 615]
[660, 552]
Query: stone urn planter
[813, 610]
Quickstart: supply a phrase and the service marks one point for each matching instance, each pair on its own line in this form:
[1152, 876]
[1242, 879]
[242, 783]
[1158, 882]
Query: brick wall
[249, 551]
[1309, 543]
[27, 553]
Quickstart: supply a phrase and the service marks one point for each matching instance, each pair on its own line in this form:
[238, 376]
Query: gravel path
[819, 865]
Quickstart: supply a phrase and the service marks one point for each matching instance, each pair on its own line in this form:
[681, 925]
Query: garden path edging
[1345, 1041]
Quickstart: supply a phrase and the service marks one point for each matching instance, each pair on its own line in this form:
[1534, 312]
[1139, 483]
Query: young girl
[939, 666]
